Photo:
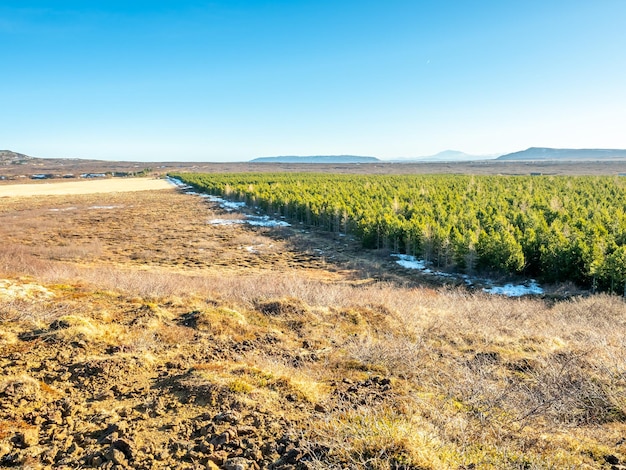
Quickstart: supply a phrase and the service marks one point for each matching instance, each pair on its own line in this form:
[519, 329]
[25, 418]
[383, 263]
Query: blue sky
[234, 80]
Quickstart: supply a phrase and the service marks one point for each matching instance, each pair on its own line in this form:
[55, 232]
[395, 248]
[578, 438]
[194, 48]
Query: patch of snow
[176, 182]
[255, 221]
[265, 221]
[226, 221]
[410, 262]
[104, 207]
[232, 206]
[510, 290]
[63, 209]
[516, 290]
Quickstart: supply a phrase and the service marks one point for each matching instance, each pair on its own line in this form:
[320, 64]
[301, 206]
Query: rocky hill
[8, 157]
[544, 153]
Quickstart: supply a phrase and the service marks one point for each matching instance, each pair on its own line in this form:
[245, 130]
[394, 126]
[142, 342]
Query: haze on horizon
[233, 80]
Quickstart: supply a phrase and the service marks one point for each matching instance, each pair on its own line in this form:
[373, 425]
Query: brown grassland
[134, 334]
[69, 187]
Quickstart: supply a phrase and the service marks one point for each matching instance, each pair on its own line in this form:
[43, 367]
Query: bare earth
[83, 187]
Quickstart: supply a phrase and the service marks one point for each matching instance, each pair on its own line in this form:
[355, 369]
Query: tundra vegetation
[133, 334]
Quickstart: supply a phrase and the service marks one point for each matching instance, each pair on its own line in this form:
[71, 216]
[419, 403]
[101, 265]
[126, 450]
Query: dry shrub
[19, 260]
[287, 307]
[174, 334]
[32, 313]
[477, 379]
[565, 389]
[377, 438]
[391, 354]
[72, 251]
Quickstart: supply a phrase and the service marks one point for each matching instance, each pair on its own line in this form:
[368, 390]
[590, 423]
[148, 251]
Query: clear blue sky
[233, 80]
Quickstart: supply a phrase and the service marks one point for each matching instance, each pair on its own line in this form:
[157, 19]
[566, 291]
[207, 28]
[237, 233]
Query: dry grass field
[135, 334]
[109, 185]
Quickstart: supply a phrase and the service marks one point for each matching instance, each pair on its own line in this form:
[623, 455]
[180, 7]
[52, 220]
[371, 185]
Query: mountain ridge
[547, 153]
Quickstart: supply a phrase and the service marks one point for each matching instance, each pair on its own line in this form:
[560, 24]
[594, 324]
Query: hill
[316, 159]
[544, 153]
[8, 157]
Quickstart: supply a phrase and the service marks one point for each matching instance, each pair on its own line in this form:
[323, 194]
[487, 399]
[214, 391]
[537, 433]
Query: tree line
[554, 228]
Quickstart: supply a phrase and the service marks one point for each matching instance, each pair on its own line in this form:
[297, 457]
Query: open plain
[136, 334]
[108, 185]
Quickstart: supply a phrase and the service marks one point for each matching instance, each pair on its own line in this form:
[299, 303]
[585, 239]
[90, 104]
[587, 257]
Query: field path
[108, 185]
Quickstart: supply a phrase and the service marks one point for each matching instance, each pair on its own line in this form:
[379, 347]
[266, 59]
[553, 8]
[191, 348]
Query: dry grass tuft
[287, 307]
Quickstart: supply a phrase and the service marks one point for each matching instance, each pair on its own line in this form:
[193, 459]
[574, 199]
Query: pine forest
[554, 228]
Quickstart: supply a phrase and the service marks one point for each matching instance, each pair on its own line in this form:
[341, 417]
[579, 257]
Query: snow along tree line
[555, 228]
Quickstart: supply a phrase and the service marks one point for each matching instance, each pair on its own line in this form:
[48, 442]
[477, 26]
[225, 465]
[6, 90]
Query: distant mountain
[454, 156]
[543, 153]
[317, 159]
[8, 157]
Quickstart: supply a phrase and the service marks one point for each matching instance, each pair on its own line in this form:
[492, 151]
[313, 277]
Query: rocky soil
[98, 377]
[114, 382]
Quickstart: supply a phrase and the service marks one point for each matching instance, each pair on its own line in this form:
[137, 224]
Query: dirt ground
[159, 336]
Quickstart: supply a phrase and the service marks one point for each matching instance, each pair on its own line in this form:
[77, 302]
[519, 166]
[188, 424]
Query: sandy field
[83, 187]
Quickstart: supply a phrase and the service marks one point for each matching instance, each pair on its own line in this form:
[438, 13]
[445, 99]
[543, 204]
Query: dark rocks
[239, 463]
[26, 438]
[124, 446]
[116, 456]
[227, 417]
[611, 459]
[320, 408]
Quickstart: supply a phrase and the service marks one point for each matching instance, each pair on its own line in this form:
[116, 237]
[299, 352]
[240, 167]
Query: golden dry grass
[366, 374]
[109, 185]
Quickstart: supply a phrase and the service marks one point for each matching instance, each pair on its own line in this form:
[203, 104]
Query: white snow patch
[410, 262]
[265, 221]
[232, 206]
[516, 290]
[178, 183]
[63, 209]
[510, 290]
[226, 221]
[105, 207]
[255, 221]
